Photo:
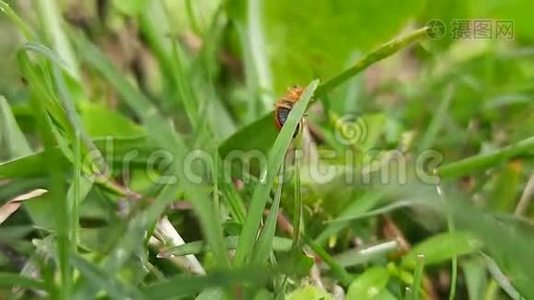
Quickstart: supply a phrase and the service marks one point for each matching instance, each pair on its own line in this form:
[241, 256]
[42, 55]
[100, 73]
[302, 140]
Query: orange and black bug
[284, 106]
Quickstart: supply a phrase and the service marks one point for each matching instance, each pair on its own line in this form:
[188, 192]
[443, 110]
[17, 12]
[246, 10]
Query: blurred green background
[128, 82]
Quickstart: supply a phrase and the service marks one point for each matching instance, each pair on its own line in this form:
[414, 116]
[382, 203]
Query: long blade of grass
[231, 196]
[382, 210]
[56, 188]
[437, 121]
[265, 241]
[502, 279]
[278, 244]
[352, 258]
[274, 161]
[417, 277]
[378, 54]
[14, 139]
[74, 195]
[51, 20]
[257, 71]
[10, 280]
[482, 161]
[172, 67]
[298, 207]
[26, 31]
[454, 260]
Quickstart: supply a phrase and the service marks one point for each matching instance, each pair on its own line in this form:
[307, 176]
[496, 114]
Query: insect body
[284, 106]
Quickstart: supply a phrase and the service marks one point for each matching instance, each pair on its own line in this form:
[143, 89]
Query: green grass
[128, 115]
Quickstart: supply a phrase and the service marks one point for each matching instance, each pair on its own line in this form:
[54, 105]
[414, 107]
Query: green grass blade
[351, 258]
[100, 280]
[369, 285]
[435, 125]
[274, 161]
[93, 57]
[74, 195]
[342, 275]
[172, 68]
[379, 54]
[482, 161]
[502, 280]
[265, 241]
[49, 12]
[442, 247]
[417, 277]
[382, 210]
[298, 206]
[11, 280]
[192, 16]
[181, 286]
[278, 244]
[355, 209]
[26, 31]
[13, 138]
[231, 196]
[257, 71]
[56, 189]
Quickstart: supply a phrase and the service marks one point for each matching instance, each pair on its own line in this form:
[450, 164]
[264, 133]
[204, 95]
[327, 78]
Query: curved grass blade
[378, 54]
[262, 190]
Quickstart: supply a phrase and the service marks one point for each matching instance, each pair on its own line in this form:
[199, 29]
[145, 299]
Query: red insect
[284, 106]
